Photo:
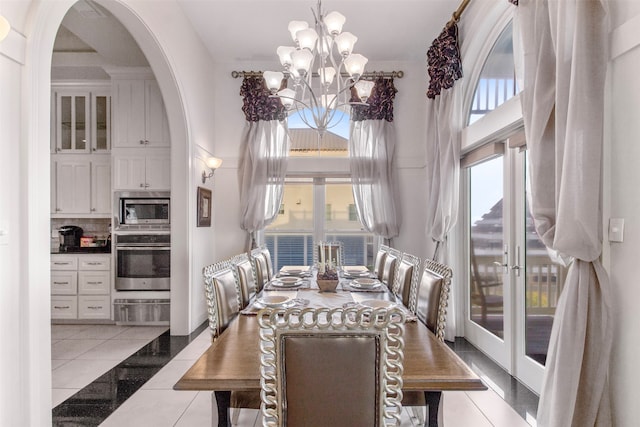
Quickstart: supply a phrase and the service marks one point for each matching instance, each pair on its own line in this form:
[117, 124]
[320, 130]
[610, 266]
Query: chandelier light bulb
[295, 26]
[326, 75]
[307, 38]
[284, 53]
[345, 43]
[301, 61]
[334, 22]
[354, 65]
[287, 97]
[273, 80]
[5, 27]
[364, 88]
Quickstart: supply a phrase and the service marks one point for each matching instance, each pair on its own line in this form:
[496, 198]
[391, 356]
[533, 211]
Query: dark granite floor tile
[93, 404]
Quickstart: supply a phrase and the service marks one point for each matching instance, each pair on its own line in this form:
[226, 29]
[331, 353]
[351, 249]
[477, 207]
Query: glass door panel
[543, 284]
[486, 246]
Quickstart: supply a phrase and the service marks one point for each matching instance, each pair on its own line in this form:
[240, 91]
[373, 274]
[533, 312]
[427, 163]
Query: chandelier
[319, 71]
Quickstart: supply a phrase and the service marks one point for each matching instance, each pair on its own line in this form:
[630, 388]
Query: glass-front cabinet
[81, 120]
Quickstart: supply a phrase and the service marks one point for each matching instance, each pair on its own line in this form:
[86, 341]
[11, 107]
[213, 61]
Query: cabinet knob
[147, 185]
[141, 185]
[142, 142]
[93, 209]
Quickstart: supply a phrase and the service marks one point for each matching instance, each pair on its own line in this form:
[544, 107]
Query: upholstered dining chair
[429, 302]
[389, 268]
[378, 263]
[260, 268]
[406, 277]
[269, 262]
[223, 297]
[245, 278]
[333, 251]
[331, 367]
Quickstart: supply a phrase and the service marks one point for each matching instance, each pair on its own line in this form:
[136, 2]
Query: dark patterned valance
[380, 102]
[257, 105]
[443, 60]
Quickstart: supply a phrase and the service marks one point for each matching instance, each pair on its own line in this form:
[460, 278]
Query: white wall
[624, 196]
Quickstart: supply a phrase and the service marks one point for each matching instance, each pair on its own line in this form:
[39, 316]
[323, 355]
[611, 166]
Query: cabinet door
[64, 282]
[129, 172]
[158, 172]
[100, 121]
[101, 187]
[72, 121]
[73, 187]
[64, 307]
[128, 113]
[156, 123]
[94, 282]
[94, 307]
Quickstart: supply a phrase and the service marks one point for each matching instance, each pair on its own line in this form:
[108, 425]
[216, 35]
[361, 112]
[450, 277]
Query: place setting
[363, 284]
[275, 301]
[301, 272]
[356, 272]
[287, 282]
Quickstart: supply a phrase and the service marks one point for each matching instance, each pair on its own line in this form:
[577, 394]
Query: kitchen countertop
[87, 250]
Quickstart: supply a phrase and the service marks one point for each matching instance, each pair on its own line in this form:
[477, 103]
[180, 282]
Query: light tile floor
[89, 351]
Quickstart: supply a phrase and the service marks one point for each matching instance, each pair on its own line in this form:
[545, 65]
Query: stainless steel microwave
[144, 208]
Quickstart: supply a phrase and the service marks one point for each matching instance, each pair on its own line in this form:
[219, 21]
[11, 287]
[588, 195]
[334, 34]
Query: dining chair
[260, 268]
[331, 367]
[406, 278]
[268, 261]
[378, 264]
[245, 278]
[223, 298]
[429, 302]
[389, 268]
[333, 251]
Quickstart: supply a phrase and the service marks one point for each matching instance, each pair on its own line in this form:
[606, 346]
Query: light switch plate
[616, 229]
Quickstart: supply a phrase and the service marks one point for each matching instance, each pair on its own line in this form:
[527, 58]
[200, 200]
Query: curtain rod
[383, 74]
[455, 16]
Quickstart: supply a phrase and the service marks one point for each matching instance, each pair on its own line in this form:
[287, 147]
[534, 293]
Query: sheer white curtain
[372, 143]
[371, 149]
[263, 158]
[443, 146]
[565, 60]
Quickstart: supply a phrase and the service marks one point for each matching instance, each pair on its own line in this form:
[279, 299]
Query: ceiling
[251, 30]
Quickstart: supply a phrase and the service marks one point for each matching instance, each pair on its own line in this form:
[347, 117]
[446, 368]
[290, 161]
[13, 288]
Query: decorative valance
[444, 62]
[380, 102]
[257, 105]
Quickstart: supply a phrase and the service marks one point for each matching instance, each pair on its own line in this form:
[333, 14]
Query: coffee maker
[70, 237]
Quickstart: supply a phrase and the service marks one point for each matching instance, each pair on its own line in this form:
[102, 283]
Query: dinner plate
[378, 303]
[365, 283]
[274, 301]
[286, 282]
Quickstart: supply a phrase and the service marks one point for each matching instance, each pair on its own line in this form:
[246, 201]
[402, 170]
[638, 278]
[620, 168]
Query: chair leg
[434, 409]
[418, 414]
[235, 414]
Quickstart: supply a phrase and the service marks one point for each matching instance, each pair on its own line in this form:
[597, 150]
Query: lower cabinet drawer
[64, 307]
[94, 282]
[94, 307]
[64, 282]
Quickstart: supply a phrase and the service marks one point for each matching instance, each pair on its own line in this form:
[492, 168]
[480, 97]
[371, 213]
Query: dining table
[232, 362]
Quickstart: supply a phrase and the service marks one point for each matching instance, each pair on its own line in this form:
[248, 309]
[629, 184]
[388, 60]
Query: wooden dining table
[232, 362]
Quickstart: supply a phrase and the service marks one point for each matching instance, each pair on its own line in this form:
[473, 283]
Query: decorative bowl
[327, 285]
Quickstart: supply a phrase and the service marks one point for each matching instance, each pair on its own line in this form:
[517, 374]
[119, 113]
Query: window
[497, 82]
[290, 238]
[306, 142]
[353, 215]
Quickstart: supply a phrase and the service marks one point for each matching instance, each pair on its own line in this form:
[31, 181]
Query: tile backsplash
[99, 227]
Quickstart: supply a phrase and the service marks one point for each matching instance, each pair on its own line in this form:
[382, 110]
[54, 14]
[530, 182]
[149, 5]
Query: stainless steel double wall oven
[142, 239]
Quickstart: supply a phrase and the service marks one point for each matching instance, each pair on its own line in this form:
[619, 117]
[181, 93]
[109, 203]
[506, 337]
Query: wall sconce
[212, 163]
[5, 27]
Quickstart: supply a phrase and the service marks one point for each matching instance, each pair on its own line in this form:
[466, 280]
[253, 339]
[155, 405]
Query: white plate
[286, 282]
[365, 283]
[274, 301]
[378, 303]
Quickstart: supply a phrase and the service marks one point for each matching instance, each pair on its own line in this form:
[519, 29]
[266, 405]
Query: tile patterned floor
[101, 378]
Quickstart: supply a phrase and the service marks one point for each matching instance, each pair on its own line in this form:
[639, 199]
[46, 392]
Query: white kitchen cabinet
[81, 186]
[81, 286]
[139, 116]
[145, 169]
[81, 119]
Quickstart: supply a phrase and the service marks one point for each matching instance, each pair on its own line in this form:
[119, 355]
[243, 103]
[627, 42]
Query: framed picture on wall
[204, 207]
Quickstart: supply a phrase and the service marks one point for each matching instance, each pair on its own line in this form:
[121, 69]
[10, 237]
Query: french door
[513, 286]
